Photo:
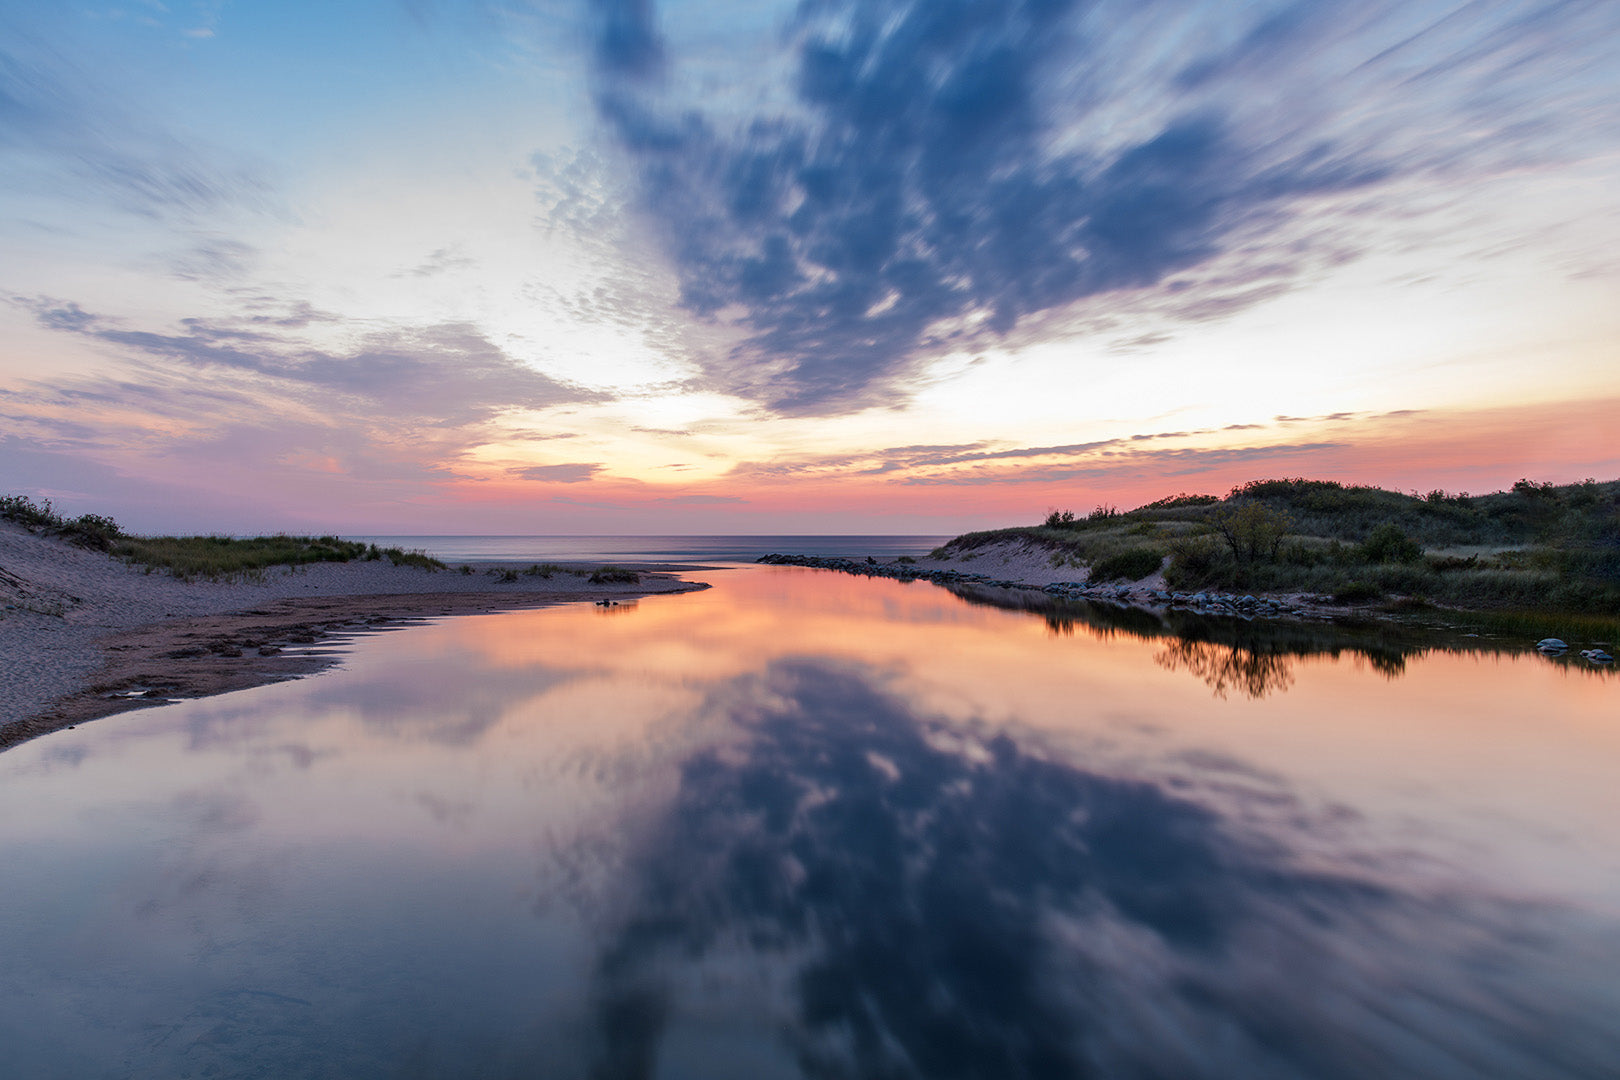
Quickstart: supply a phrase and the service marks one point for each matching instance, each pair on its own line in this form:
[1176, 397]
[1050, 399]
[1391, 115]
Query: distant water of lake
[811, 825]
[670, 549]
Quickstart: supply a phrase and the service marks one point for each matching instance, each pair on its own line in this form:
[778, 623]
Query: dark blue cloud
[943, 170]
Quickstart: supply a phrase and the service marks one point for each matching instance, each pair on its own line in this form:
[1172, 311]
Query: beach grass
[217, 557]
[213, 557]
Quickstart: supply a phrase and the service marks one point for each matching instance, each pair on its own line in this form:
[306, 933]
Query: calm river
[811, 825]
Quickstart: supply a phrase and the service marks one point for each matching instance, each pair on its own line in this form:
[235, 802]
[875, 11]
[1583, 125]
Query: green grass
[217, 557]
[201, 556]
[613, 575]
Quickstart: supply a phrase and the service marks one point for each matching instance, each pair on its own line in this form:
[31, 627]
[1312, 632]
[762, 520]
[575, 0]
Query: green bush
[1195, 561]
[1253, 532]
[1178, 502]
[1357, 592]
[1389, 543]
[1132, 564]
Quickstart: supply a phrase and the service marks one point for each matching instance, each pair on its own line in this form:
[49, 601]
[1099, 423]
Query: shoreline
[84, 635]
[182, 659]
[1025, 569]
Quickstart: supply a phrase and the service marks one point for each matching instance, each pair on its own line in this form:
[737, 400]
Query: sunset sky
[746, 266]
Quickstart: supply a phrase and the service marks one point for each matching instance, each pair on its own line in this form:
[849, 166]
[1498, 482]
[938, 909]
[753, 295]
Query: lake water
[810, 825]
[641, 549]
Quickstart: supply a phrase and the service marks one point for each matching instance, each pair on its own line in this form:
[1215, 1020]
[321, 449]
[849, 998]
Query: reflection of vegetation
[1534, 547]
[1254, 657]
[1226, 667]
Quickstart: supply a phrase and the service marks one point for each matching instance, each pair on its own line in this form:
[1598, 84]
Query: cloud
[60, 129]
[940, 172]
[441, 260]
[577, 473]
[1179, 461]
[248, 403]
[699, 500]
[449, 373]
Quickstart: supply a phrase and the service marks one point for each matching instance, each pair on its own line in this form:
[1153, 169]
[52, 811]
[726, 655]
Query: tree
[1252, 531]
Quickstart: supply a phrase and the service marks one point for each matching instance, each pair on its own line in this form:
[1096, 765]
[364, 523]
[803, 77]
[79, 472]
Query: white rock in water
[1551, 644]
[1597, 656]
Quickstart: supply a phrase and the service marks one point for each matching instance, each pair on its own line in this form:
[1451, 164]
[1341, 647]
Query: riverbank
[84, 635]
[1021, 565]
[1024, 571]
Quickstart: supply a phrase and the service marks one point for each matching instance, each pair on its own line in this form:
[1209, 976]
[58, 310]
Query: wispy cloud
[59, 125]
[570, 473]
[448, 374]
[937, 173]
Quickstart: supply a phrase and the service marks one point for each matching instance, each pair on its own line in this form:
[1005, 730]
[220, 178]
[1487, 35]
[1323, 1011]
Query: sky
[826, 266]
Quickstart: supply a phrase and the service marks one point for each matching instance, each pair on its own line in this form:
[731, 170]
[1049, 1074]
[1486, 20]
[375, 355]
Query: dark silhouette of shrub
[1132, 564]
[1389, 543]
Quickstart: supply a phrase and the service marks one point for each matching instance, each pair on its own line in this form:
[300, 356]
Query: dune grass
[216, 557]
[212, 557]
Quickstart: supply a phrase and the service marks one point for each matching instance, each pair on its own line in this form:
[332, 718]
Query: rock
[1551, 644]
[1597, 656]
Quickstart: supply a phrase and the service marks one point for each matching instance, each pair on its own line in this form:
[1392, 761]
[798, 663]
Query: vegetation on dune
[87, 530]
[223, 556]
[210, 557]
[614, 575]
[1536, 547]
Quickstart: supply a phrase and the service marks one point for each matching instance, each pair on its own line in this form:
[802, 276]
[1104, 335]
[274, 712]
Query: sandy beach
[83, 635]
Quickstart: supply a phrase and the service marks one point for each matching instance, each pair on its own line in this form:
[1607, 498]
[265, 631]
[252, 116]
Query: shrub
[1357, 592]
[93, 531]
[23, 511]
[603, 575]
[1252, 532]
[1389, 543]
[1194, 561]
[1132, 564]
[1179, 501]
[1057, 519]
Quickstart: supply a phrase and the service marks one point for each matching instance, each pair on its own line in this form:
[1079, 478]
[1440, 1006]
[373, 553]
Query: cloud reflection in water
[942, 904]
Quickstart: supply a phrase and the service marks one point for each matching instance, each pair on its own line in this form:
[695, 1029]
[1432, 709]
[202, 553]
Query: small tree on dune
[1253, 532]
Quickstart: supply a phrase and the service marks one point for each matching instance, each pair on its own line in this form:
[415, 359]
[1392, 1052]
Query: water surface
[810, 825]
[668, 549]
